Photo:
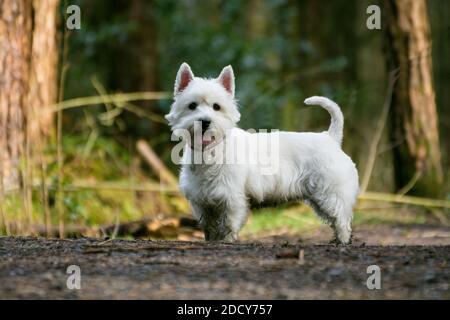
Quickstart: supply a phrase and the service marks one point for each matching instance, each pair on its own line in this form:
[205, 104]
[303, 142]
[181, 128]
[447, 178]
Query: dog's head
[206, 108]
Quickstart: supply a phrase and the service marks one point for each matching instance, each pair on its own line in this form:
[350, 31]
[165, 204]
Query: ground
[278, 267]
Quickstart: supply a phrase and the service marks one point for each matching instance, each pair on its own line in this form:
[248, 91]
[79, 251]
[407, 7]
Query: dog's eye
[216, 106]
[192, 106]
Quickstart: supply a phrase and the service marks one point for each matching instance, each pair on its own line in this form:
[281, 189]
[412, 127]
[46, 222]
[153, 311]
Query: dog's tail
[337, 118]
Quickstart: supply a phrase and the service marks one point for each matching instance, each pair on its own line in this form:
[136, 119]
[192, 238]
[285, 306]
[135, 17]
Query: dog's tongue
[207, 140]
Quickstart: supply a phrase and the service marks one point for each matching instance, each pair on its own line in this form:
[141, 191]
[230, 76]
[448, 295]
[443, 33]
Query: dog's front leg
[220, 222]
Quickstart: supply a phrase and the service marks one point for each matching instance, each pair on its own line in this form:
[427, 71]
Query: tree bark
[15, 28]
[28, 83]
[44, 66]
[414, 120]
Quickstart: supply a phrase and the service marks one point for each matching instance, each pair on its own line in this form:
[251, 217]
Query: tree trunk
[15, 29]
[28, 63]
[44, 67]
[414, 120]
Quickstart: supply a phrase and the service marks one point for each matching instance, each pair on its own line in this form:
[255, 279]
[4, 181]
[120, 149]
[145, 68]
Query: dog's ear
[184, 77]
[226, 79]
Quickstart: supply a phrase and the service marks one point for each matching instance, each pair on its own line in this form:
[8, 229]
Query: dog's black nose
[205, 124]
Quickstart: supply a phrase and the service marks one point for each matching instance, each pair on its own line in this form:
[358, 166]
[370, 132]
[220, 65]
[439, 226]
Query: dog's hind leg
[334, 211]
[343, 226]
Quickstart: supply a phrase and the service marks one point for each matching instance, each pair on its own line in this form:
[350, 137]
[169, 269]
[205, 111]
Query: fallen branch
[157, 165]
[152, 187]
[147, 187]
[110, 98]
[150, 227]
[373, 150]
[397, 198]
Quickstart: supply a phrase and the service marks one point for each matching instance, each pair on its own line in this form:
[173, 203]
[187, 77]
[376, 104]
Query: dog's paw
[336, 242]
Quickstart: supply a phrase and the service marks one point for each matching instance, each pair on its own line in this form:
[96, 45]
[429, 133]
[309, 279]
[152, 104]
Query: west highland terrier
[308, 166]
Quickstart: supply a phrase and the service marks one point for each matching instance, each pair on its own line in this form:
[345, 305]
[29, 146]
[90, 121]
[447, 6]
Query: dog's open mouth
[206, 141]
[202, 141]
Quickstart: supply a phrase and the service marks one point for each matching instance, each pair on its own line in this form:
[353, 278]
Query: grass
[104, 160]
[289, 220]
[297, 219]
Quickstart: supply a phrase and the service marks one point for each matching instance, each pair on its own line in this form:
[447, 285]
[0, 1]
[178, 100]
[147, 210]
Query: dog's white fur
[312, 166]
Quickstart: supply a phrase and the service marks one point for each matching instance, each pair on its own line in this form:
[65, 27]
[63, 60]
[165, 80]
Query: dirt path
[420, 235]
[36, 268]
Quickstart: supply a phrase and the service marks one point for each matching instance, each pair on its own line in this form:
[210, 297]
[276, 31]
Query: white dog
[310, 166]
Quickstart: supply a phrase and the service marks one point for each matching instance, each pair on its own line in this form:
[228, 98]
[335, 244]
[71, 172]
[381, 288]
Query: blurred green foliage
[282, 51]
